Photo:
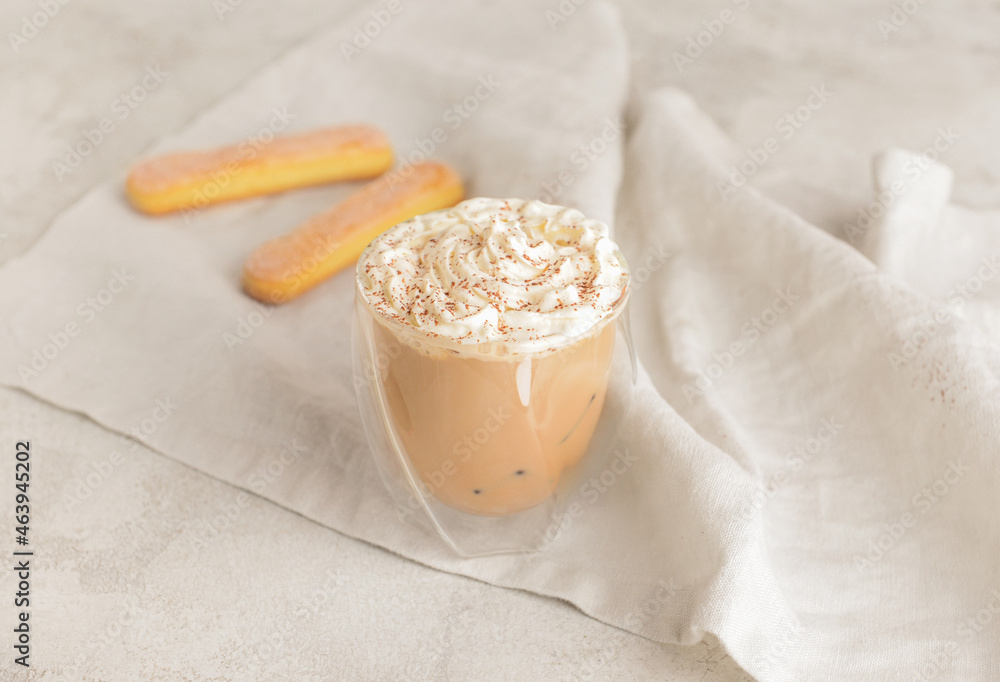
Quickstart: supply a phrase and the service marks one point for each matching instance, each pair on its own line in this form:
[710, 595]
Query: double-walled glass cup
[475, 440]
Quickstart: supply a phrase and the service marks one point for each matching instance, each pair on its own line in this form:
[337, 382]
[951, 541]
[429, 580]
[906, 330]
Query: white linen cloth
[813, 473]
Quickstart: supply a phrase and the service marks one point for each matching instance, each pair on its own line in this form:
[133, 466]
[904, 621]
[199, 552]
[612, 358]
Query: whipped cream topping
[523, 273]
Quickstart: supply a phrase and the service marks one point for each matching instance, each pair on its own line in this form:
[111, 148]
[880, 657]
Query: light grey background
[172, 608]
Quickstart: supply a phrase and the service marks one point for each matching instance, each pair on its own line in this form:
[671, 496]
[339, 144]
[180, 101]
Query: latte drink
[492, 337]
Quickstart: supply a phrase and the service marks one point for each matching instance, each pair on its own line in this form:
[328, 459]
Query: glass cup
[473, 440]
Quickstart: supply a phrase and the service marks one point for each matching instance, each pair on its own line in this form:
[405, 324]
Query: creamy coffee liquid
[494, 342]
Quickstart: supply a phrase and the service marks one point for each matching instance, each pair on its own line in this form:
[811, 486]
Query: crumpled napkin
[825, 510]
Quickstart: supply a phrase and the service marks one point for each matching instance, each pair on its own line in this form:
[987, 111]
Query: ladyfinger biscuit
[191, 180]
[284, 268]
